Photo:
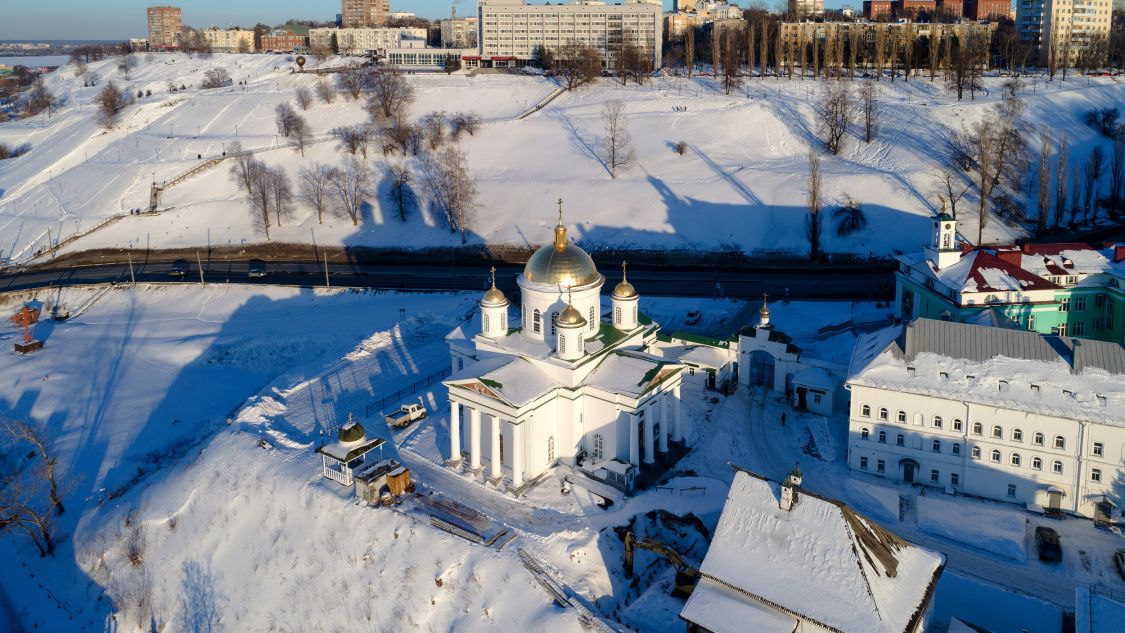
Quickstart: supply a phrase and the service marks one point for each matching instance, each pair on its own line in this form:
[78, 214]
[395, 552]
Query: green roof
[699, 338]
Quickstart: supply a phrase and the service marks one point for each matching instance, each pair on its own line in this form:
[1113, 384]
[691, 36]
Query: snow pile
[992, 607]
[990, 527]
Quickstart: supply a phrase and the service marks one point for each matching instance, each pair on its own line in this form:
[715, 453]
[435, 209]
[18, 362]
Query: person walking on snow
[782, 418]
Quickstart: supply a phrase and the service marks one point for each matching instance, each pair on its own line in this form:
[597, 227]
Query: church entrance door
[761, 369]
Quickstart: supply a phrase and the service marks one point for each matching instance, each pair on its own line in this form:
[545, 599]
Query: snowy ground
[741, 185]
[140, 389]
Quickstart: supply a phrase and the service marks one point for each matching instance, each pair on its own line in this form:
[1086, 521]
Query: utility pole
[327, 283]
[132, 278]
[200, 264]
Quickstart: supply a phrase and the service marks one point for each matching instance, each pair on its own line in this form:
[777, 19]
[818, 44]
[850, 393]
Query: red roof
[985, 260]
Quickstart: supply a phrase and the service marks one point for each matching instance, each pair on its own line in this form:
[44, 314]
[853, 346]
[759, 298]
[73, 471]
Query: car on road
[179, 268]
[257, 269]
[693, 317]
[405, 415]
[1050, 547]
[1119, 560]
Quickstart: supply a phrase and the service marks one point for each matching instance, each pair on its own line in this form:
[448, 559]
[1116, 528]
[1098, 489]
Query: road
[824, 283]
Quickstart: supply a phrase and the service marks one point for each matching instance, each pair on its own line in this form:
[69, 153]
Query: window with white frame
[550, 448]
[936, 446]
[997, 432]
[1017, 435]
[934, 476]
[902, 416]
[1037, 439]
[957, 425]
[864, 433]
[1079, 304]
[1099, 449]
[976, 452]
[536, 318]
[883, 413]
[1011, 490]
[1015, 459]
[1064, 305]
[995, 456]
[937, 422]
[954, 479]
[1060, 442]
[880, 466]
[978, 428]
[882, 437]
[863, 463]
[900, 440]
[1095, 474]
[865, 411]
[1036, 463]
[1056, 467]
[956, 448]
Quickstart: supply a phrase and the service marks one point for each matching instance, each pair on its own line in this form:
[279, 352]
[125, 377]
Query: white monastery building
[564, 386]
[787, 561]
[998, 413]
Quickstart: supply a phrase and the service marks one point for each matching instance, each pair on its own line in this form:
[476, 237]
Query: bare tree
[716, 46]
[352, 183]
[950, 191]
[325, 91]
[834, 114]
[23, 508]
[215, 78]
[849, 216]
[731, 62]
[1060, 179]
[111, 102]
[813, 220]
[259, 193]
[451, 187]
[616, 144]
[303, 97]
[1095, 163]
[401, 193]
[467, 122]
[285, 117]
[689, 49]
[390, 94]
[881, 37]
[39, 98]
[403, 135]
[127, 64]
[352, 82]
[281, 193]
[578, 64]
[21, 431]
[434, 129]
[314, 188]
[349, 137]
[301, 134]
[242, 168]
[870, 107]
[933, 48]
[1117, 173]
[631, 61]
[1043, 193]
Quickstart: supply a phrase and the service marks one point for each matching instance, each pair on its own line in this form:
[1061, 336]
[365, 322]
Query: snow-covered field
[741, 184]
[991, 527]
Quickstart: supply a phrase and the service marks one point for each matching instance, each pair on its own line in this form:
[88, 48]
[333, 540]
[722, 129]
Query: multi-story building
[987, 9]
[364, 13]
[164, 27]
[805, 8]
[1069, 289]
[511, 31]
[951, 8]
[997, 413]
[459, 32]
[363, 41]
[876, 9]
[229, 40]
[291, 37]
[1062, 29]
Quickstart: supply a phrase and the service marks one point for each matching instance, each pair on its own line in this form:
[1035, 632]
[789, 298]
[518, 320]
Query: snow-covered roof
[819, 561]
[511, 379]
[1096, 612]
[1013, 369]
[981, 271]
[629, 374]
[718, 608]
[1069, 259]
[815, 377]
[698, 355]
[347, 451]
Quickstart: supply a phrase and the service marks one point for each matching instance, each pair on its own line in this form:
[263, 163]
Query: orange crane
[687, 576]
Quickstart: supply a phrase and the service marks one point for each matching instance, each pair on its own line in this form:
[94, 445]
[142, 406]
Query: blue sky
[120, 19]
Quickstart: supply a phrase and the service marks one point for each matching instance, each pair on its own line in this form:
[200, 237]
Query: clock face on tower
[946, 227]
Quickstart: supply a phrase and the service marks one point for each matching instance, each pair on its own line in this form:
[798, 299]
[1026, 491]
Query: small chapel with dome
[562, 382]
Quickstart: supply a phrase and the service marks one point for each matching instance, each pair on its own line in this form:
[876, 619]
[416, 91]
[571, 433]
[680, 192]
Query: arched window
[997, 432]
[1060, 442]
[976, 452]
[634, 313]
[882, 437]
[1056, 467]
[956, 448]
[865, 434]
[504, 322]
[902, 416]
[996, 456]
[550, 448]
[593, 319]
[1037, 439]
[484, 321]
[883, 413]
[956, 424]
[1017, 435]
[977, 428]
[562, 344]
[1036, 463]
[554, 322]
[617, 314]
[866, 411]
[900, 440]
[937, 421]
[535, 320]
[936, 447]
[599, 446]
[1016, 460]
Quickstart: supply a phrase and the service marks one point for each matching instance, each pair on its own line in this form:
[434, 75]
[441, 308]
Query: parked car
[257, 269]
[693, 317]
[405, 415]
[179, 268]
[1119, 560]
[1050, 547]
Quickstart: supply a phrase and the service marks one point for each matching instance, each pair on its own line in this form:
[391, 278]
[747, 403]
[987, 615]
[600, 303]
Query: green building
[1073, 289]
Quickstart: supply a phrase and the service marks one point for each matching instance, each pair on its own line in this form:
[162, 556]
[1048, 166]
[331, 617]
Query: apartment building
[511, 31]
[1062, 29]
[987, 9]
[459, 32]
[364, 13]
[164, 27]
[1003, 414]
[1072, 289]
[229, 40]
[805, 8]
[368, 40]
[291, 37]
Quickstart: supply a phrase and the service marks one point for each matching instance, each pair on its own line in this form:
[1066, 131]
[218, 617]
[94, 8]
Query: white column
[454, 431]
[494, 465]
[517, 456]
[649, 439]
[677, 427]
[634, 441]
[474, 439]
[664, 421]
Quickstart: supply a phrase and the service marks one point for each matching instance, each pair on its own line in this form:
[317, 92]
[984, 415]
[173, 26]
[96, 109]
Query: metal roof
[976, 343]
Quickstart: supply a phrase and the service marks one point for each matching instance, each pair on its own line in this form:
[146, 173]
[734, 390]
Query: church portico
[565, 388]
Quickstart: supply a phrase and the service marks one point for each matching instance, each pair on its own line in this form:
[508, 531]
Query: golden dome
[571, 317]
[493, 297]
[561, 263]
[624, 290]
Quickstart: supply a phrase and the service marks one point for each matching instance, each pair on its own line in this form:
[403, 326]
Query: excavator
[686, 575]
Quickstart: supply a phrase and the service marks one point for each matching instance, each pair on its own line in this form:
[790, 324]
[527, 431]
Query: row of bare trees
[31, 484]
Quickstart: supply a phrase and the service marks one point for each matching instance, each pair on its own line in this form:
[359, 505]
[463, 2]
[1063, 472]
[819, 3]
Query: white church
[563, 386]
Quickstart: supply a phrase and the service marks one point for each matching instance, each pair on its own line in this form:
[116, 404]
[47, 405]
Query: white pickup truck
[406, 414]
